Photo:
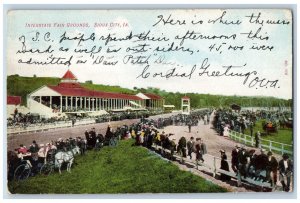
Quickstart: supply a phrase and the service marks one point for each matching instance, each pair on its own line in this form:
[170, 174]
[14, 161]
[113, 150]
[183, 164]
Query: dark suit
[285, 173]
[225, 167]
[234, 160]
[272, 165]
[242, 161]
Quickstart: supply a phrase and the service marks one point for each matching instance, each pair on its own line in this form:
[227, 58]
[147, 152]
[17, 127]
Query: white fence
[48, 126]
[212, 164]
[269, 145]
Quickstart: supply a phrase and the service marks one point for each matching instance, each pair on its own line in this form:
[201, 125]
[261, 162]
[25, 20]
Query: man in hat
[172, 147]
[242, 161]
[234, 158]
[251, 165]
[285, 170]
[272, 165]
[198, 150]
[190, 146]
[257, 139]
[34, 147]
[182, 146]
[261, 164]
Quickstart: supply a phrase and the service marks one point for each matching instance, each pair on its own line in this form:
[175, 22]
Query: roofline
[136, 97]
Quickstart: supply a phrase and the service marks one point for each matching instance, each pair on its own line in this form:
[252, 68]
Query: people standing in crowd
[234, 158]
[199, 150]
[181, 148]
[243, 161]
[172, 147]
[224, 166]
[251, 128]
[257, 139]
[203, 149]
[272, 168]
[285, 170]
[190, 127]
[190, 146]
[82, 146]
[34, 149]
[251, 165]
[261, 165]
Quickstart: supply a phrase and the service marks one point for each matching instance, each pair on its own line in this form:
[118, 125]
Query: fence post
[215, 168]
[239, 179]
[282, 149]
[252, 141]
[270, 146]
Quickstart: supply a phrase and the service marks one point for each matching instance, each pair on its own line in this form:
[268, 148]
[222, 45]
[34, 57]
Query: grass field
[123, 169]
[283, 135]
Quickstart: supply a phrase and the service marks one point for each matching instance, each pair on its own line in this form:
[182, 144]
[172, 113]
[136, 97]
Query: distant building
[13, 102]
[185, 105]
[151, 101]
[70, 97]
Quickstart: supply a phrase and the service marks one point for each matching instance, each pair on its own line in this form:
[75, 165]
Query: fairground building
[69, 97]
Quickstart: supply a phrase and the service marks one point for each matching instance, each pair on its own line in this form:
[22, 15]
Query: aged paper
[229, 53]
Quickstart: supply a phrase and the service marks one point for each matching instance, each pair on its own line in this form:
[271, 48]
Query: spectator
[257, 139]
[285, 171]
[224, 166]
[272, 165]
[182, 146]
[22, 149]
[198, 150]
[243, 161]
[251, 165]
[261, 165]
[234, 158]
[190, 146]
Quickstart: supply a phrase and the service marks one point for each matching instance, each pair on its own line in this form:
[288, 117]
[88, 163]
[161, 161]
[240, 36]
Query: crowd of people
[247, 163]
[259, 166]
[239, 121]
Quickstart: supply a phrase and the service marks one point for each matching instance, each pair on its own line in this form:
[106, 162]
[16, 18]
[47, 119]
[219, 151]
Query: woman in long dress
[224, 166]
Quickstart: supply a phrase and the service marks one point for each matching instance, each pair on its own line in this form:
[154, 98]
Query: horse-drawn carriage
[270, 126]
[20, 168]
[56, 159]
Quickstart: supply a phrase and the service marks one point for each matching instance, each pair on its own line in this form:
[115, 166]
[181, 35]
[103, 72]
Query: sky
[271, 65]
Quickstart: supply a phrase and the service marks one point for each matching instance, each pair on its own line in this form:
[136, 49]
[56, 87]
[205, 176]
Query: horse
[66, 157]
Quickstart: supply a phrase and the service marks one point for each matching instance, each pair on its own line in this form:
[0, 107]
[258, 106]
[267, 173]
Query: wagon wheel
[22, 172]
[46, 169]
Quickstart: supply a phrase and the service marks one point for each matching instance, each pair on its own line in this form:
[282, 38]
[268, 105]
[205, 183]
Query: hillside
[21, 86]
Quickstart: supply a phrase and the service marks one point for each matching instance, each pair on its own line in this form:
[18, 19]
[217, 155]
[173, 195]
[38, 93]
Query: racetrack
[213, 141]
[43, 137]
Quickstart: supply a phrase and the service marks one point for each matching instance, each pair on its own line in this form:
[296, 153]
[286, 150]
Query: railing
[269, 145]
[212, 164]
[84, 122]
[47, 126]
[38, 127]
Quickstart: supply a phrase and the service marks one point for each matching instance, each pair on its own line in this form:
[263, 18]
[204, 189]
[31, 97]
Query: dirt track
[14, 140]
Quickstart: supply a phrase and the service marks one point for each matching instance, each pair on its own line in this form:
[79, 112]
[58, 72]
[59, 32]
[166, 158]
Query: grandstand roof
[14, 100]
[83, 92]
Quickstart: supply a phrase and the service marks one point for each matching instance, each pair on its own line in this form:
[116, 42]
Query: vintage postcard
[149, 101]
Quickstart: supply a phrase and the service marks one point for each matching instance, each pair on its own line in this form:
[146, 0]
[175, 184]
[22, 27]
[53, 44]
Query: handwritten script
[220, 45]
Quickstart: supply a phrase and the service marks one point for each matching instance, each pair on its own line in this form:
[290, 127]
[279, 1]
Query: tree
[89, 82]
